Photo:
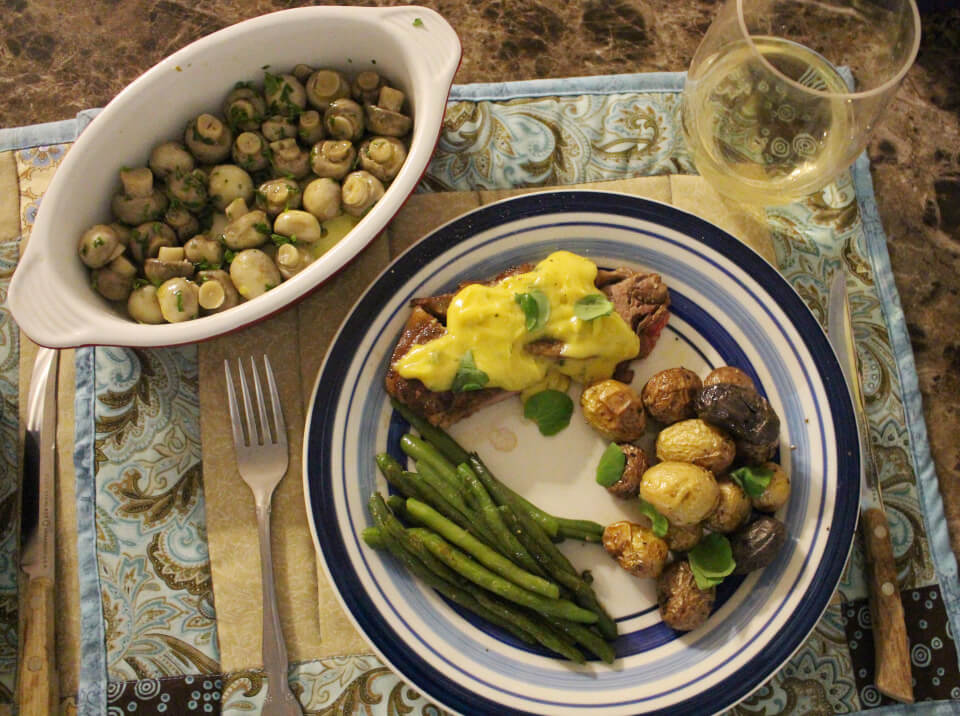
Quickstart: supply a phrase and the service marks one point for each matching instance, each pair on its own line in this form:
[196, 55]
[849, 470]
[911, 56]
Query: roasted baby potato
[746, 415]
[682, 492]
[668, 396]
[731, 375]
[637, 549]
[628, 485]
[615, 410]
[679, 538]
[732, 510]
[756, 545]
[683, 605]
[698, 442]
[777, 492]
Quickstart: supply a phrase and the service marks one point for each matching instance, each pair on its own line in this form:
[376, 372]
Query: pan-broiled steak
[641, 299]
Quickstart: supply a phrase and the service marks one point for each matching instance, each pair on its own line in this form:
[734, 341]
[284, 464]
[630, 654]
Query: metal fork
[261, 449]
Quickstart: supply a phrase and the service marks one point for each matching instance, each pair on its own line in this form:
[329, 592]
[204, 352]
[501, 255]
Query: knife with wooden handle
[37, 681]
[892, 652]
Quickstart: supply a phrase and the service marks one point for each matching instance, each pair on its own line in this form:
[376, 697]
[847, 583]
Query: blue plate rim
[321, 416]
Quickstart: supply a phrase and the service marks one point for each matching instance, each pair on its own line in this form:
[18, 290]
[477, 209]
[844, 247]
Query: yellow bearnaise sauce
[488, 321]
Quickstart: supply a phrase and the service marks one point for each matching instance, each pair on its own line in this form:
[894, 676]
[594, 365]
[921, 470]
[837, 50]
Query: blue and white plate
[728, 307]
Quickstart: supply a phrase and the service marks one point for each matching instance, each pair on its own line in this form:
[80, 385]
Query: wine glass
[782, 94]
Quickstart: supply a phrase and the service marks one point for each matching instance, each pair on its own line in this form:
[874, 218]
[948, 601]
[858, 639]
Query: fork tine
[281, 426]
[265, 425]
[253, 430]
[235, 422]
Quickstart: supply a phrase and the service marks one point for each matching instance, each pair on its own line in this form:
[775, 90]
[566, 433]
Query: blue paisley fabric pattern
[155, 587]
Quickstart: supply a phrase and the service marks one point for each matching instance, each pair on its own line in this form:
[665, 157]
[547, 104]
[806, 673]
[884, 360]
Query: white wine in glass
[769, 119]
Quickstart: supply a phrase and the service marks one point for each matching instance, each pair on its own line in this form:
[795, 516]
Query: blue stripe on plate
[324, 413]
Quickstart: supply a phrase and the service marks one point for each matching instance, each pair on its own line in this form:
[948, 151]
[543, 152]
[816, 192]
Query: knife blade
[891, 650]
[37, 682]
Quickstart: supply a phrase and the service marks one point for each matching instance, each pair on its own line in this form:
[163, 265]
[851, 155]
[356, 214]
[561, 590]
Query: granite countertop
[59, 58]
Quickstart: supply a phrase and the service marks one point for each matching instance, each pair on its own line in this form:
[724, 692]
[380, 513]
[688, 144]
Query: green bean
[447, 446]
[393, 472]
[451, 591]
[558, 567]
[594, 643]
[428, 494]
[373, 537]
[449, 490]
[505, 496]
[483, 577]
[574, 533]
[489, 558]
[422, 451]
[588, 527]
[508, 542]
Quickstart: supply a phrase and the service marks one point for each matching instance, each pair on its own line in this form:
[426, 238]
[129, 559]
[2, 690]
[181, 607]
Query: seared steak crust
[642, 300]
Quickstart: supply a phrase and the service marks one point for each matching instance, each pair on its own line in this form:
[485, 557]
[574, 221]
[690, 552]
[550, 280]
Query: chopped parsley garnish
[417, 22]
[280, 239]
[228, 255]
[261, 227]
[180, 301]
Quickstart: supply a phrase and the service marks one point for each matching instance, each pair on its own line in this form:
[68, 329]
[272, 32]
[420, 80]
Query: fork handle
[275, 663]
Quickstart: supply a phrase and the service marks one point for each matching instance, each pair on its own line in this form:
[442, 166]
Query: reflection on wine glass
[782, 94]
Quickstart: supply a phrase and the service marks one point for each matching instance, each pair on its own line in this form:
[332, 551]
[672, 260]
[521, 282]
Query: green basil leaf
[660, 525]
[550, 410]
[753, 480]
[536, 308]
[611, 465]
[468, 376]
[711, 560]
[594, 305]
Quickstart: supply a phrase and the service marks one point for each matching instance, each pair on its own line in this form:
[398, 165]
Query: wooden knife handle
[889, 630]
[38, 683]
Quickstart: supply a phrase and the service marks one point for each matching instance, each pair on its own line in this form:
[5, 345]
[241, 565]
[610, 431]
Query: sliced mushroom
[310, 127]
[321, 197]
[385, 117]
[324, 86]
[254, 273]
[287, 158]
[217, 292]
[250, 151]
[143, 306]
[365, 87]
[332, 158]
[284, 94]
[99, 245]
[208, 139]
[344, 119]
[147, 239]
[300, 226]
[302, 72]
[360, 191]
[139, 200]
[189, 189]
[169, 158]
[178, 300]
[383, 157]
[278, 195]
[278, 127]
[229, 182]
[244, 108]
[112, 285]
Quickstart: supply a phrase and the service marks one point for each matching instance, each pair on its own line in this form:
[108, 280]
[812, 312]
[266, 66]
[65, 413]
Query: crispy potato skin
[615, 410]
[668, 396]
[732, 510]
[777, 492]
[729, 374]
[698, 442]
[683, 605]
[628, 485]
[637, 549]
[682, 492]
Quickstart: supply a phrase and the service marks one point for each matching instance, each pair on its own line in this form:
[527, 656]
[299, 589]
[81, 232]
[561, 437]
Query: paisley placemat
[149, 640]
